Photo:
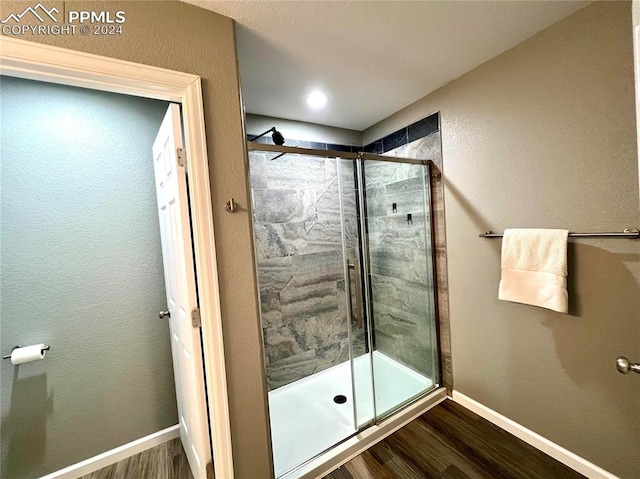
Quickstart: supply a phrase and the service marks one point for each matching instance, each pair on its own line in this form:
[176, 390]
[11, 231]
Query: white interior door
[177, 254]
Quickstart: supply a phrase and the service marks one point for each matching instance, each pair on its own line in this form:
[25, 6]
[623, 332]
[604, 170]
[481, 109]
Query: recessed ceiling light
[317, 100]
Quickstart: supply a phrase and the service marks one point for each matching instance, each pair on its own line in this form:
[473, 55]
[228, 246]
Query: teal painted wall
[81, 269]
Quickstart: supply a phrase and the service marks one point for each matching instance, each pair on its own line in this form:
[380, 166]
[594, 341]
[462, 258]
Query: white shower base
[305, 420]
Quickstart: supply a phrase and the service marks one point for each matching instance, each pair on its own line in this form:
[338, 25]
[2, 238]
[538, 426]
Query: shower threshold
[305, 419]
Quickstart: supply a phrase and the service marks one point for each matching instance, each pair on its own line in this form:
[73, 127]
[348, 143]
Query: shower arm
[270, 130]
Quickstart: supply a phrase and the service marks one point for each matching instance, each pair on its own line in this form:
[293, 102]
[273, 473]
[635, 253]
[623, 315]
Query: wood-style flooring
[166, 461]
[447, 442]
[451, 442]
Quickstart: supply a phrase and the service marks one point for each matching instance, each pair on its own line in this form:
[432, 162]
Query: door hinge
[209, 470]
[196, 322]
[181, 157]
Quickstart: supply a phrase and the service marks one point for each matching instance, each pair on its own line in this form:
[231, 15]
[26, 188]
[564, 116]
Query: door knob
[625, 367]
[164, 314]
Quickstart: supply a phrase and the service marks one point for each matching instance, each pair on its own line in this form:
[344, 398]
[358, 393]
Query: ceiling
[371, 58]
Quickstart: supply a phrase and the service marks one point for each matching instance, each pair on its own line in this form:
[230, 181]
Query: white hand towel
[534, 268]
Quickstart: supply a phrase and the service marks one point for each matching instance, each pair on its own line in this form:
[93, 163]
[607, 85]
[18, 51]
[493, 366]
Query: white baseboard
[114, 455]
[559, 453]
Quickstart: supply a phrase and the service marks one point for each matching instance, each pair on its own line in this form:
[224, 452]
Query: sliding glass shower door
[391, 285]
[396, 218]
[300, 236]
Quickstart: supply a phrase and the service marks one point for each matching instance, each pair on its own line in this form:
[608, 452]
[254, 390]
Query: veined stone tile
[280, 343]
[411, 185]
[313, 268]
[278, 176]
[328, 202]
[399, 262]
[332, 354]
[323, 236]
[302, 302]
[400, 152]
[382, 173]
[301, 163]
[397, 222]
[257, 159]
[270, 307]
[376, 203]
[275, 272]
[418, 359]
[347, 172]
[395, 233]
[398, 236]
[427, 148]
[283, 206]
[408, 296]
[412, 328]
[274, 240]
[380, 203]
[319, 331]
[358, 341]
[410, 202]
[331, 168]
[291, 369]
[413, 245]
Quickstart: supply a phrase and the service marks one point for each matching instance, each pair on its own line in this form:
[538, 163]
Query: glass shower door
[400, 302]
[356, 293]
[300, 236]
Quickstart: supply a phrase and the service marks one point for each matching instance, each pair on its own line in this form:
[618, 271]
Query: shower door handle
[355, 266]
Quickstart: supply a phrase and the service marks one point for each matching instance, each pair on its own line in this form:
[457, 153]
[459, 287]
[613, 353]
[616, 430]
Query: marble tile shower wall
[298, 237]
[400, 258]
[429, 147]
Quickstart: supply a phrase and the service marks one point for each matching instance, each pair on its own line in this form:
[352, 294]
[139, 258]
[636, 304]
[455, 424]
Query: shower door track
[347, 155]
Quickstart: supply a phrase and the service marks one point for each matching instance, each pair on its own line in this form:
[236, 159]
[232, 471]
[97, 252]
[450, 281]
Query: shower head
[277, 137]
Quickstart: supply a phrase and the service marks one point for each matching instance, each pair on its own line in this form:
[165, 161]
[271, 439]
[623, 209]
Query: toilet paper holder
[46, 348]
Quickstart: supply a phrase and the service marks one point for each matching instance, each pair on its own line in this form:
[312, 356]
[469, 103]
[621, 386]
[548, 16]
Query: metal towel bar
[631, 233]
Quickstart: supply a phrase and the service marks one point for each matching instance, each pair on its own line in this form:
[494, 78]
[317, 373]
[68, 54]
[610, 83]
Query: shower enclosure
[346, 277]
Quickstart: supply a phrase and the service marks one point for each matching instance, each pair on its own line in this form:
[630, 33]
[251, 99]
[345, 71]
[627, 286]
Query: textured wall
[81, 270]
[182, 37]
[544, 136]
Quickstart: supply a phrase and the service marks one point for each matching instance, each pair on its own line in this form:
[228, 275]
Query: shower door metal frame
[346, 155]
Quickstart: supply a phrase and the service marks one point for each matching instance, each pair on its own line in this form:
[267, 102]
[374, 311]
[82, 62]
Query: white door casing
[180, 283]
[36, 61]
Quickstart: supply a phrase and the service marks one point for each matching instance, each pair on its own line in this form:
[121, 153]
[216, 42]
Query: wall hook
[230, 206]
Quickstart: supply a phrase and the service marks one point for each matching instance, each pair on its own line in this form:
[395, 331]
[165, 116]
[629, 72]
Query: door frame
[34, 61]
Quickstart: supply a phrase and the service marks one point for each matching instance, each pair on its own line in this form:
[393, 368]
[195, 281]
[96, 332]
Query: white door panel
[175, 232]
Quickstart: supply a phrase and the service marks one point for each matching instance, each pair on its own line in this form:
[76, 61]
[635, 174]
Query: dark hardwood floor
[166, 461]
[447, 442]
[451, 442]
